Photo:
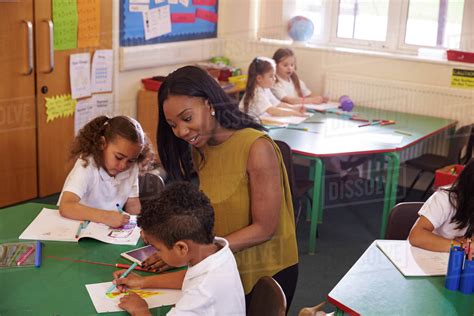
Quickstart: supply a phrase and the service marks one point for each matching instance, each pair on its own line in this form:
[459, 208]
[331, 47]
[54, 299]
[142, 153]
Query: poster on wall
[151, 22]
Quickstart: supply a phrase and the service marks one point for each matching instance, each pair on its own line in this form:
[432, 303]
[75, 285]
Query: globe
[300, 28]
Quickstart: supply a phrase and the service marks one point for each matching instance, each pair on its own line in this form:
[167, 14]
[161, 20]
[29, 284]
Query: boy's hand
[132, 281]
[134, 304]
[115, 219]
[155, 264]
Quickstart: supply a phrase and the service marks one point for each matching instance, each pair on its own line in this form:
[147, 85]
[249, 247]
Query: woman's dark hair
[89, 141]
[191, 81]
[461, 197]
[281, 54]
[258, 66]
[180, 212]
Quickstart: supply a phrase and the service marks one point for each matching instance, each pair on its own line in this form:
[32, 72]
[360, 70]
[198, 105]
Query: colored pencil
[403, 133]
[25, 255]
[119, 208]
[122, 276]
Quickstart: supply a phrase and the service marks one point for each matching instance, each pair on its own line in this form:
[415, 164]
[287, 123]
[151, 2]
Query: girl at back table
[259, 99]
[104, 178]
[447, 217]
[288, 87]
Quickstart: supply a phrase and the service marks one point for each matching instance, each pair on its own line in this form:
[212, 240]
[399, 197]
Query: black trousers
[287, 278]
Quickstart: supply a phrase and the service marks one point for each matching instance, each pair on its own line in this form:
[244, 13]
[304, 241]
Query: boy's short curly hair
[181, 212]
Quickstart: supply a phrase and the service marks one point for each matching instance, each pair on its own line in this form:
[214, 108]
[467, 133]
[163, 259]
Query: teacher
[239, 168]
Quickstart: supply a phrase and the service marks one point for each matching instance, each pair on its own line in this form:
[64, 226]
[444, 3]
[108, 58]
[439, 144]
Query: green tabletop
[58, 286]
[336, 135]
[374, 286]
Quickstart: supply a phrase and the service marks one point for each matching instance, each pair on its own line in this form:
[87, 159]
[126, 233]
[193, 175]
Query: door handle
[29, 27]
[51, 46]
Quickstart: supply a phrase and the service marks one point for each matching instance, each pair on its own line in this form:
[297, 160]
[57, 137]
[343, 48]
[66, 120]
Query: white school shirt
[96, 188]
[212, 287]
[285, 88]
[439, 212]
[262, 100]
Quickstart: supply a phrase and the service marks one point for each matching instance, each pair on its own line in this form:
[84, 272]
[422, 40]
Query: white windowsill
[365, 52]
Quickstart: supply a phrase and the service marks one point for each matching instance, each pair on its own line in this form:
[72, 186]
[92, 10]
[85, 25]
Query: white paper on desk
[102, 64]
[323, 106]
[154, 297]
[157, 22]
[103, 104]
[280, 120]
[413, 261]
[83, 113]
[50, 225]
[80, 75]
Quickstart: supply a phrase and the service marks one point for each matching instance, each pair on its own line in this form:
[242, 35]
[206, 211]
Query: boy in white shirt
[179, 224]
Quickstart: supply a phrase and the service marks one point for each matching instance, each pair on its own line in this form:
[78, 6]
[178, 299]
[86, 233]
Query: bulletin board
[190, 20]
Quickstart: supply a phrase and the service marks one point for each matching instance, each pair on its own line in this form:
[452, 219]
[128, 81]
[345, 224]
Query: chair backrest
[460, 144]
[288, 161]
[268, 299]
[151, 183]
[401, 220]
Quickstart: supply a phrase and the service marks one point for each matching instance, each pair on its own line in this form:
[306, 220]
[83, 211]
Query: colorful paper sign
[88, 33]
[59, 107]
[206, 15]
[183, 18]
[65, 24]
[462, 78]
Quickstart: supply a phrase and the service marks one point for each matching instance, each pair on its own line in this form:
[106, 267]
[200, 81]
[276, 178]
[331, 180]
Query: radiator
[407, 97]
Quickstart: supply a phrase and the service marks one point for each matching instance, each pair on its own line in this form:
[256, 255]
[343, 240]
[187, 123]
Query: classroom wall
[237, 27]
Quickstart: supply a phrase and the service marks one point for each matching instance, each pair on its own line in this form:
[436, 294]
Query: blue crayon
[38, 254]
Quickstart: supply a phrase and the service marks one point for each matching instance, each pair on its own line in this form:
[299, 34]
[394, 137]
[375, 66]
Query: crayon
[38, 254]
[25, 256]
[127, 266]
[122, 276]
[403, 133]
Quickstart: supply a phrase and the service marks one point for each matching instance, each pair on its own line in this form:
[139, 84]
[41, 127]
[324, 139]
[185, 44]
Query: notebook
[414, 261]
[50, 225]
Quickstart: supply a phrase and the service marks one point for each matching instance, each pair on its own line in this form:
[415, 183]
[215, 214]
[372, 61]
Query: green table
[57, 287]
[374, 286]
[322, 140]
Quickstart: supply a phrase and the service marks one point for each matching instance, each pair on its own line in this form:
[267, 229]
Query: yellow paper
[59, 106]
[88, 33]
[462, 78]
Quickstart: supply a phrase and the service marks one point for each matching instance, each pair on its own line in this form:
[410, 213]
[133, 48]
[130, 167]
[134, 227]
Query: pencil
[25, 256]
[403, 133]
[127, 266]
[298, 128]
[122, 276]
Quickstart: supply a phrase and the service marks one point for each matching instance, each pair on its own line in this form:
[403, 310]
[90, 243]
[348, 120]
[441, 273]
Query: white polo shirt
[96, 188]
[212, 287]
[285, 88]
[439, 212]
[262, 100]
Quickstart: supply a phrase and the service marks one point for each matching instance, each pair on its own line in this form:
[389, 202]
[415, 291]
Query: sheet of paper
[282, 120]
[109, 303]
[88, 33]
[49, 225]
[102, 68]
[184, 2]
[323, 106]
[139, 2]
[413, 261]
[80, 75]
[103, 104]
[84, 113]
[65, 24]
[157, 22]
[125, 235]
[59, 106]
[138, 7]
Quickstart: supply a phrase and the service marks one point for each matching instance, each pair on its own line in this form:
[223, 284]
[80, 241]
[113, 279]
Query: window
[393, 25]
[436, 23]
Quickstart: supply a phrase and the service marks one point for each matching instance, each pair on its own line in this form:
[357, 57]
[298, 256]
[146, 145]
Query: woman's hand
[134, 304]
[132, 281]
[154, 264]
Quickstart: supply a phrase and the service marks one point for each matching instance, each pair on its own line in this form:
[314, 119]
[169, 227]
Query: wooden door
[55, 137]
[18, 181]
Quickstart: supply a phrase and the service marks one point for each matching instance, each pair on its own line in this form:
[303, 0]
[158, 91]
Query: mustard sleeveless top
[223, 178]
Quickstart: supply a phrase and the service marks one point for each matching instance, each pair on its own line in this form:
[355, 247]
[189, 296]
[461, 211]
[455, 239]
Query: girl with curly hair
[105, 175]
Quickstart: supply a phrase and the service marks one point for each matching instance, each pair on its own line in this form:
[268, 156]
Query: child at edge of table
[179, 224]
[104, 180]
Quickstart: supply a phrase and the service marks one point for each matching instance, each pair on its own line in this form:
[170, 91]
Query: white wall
[237, 27]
